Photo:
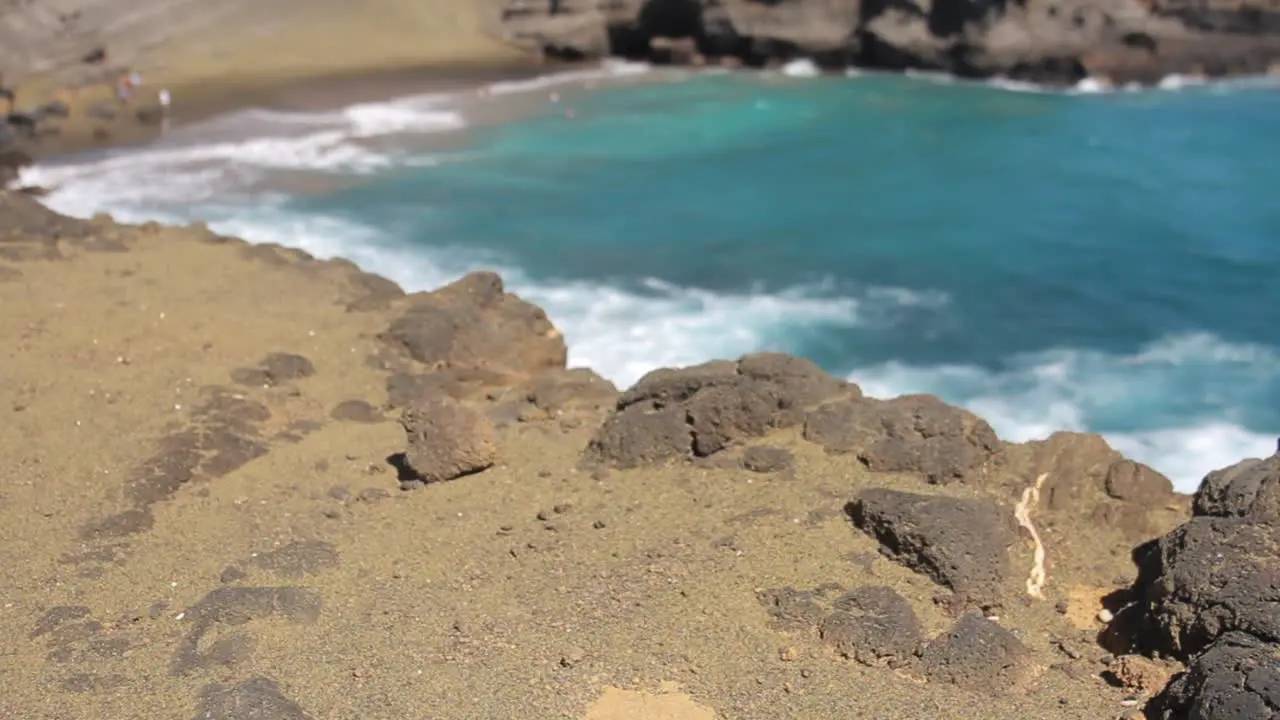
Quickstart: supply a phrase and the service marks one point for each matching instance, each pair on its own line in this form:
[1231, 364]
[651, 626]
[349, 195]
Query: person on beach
[126, 86]
[165, 100]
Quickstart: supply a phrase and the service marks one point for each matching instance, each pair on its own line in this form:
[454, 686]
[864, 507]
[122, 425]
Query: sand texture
[209, 508]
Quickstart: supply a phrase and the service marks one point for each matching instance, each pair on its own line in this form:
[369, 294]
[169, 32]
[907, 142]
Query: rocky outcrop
[474, 324]
[1220, 571]
[1209, 592]
[1052, 41]
[916, 434]
[1235, 678]
[672, 414]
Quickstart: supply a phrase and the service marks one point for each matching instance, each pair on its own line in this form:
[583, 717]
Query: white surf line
[1030, 497]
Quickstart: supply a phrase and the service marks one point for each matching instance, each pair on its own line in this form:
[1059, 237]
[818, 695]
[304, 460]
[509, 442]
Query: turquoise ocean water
[1086, 261]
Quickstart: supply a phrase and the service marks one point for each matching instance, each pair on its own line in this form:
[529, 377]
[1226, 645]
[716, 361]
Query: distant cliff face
[235, 38]
[1042, 40]
[40, 36]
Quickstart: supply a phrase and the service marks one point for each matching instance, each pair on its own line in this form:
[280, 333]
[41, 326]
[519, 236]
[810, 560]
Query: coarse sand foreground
[202, 516]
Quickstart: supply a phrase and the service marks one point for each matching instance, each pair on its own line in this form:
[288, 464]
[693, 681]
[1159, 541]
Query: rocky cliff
[1058, 41]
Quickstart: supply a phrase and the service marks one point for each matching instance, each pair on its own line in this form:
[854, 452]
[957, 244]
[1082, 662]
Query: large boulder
[1235, 678]
[672, 414]
[917, 434]
[1211, 576]
[1220, 571]
[474, 324]
[962, 544]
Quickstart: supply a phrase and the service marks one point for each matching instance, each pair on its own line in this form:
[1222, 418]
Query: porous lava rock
[1209, 592]
[916, 434]
[873, 625]
[1249, 489]
[1134, 482]
[963, 544]
[1211, 576]
[474, 323]
[447, 440]
[672, 414]
[978, 654]
[1235, 678]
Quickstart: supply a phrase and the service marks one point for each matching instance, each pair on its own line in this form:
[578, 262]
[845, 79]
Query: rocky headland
[239, 481]
[1056, 42]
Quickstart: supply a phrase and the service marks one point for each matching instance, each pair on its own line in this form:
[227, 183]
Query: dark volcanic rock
[700, 410]
[917, 434]
[978, 654]
[924, 435]
[1135, 482]
[1235, 678]
[1209, 577]
[475, 324]
[1250, 488]
[961, 544]
[873, 624]
[640, 435]
[447, 440]
[257, 698]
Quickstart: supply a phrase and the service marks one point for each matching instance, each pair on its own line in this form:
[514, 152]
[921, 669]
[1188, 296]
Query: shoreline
[196, 103]
[200, 102]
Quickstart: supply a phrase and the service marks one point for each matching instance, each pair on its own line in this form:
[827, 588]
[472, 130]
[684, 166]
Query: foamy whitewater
[1076, 260]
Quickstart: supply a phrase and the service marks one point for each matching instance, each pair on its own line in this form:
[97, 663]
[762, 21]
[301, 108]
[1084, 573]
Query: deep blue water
[1100, 262]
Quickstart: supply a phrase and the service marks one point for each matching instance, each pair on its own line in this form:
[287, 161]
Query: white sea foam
[234, 152]
[621, 333]
[801, 68]
[1041, 393]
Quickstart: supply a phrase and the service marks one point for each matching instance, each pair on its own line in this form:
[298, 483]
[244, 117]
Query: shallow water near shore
[1100, 262]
